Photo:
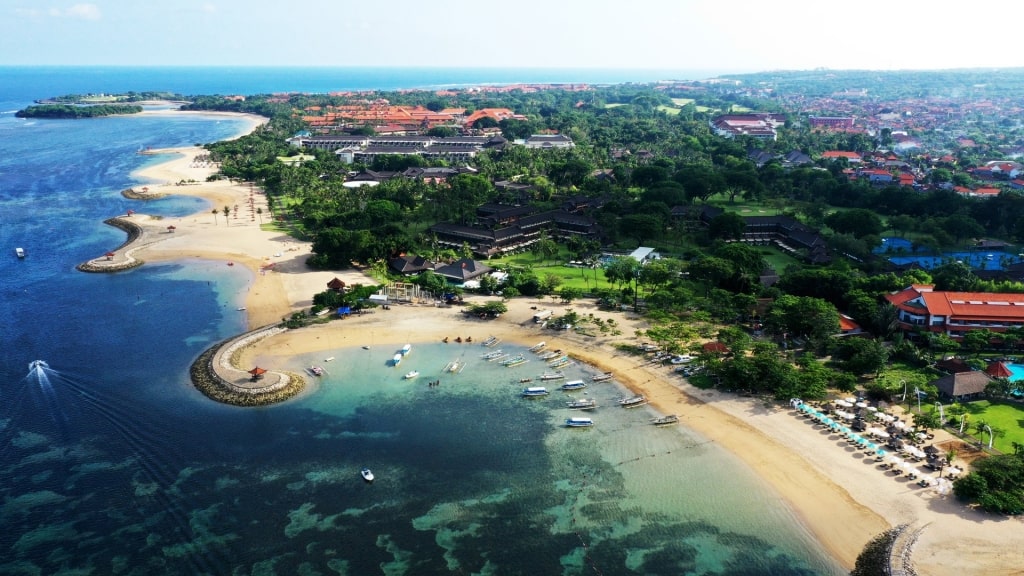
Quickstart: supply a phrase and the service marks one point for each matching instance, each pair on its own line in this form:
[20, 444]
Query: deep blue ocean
[111, 463]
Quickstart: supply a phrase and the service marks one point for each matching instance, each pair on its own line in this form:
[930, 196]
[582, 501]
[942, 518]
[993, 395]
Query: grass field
[1000, 415]
[669, 110]
[680, 102]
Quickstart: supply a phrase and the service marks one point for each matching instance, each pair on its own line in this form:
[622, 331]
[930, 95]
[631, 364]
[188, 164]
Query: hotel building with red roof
[921, 308]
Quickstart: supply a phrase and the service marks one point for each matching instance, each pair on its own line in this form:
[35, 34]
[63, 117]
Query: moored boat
[581, 404]
[513, 359]
[558, 359]
[366, 474]
[316, 370]
[535, 391]
[579, 422]
[525, 380]
[411, 374]
[538, 347]
[329, 359]
[515, 362]
[552, 376]
[602, 377]
[665, 420]
[396, 360]
[19, 252]
[406, 349]
[633, 401]
[549, 355]
[574, 385]
[492, 341]
[492, 355]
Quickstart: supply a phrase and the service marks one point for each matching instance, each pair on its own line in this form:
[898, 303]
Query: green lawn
[682, 101]
[668, 110]
[1006, 416]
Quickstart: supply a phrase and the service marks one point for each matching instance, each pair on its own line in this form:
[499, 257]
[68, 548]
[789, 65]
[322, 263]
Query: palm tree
[259, 212]
[227, 212]
[215, 216]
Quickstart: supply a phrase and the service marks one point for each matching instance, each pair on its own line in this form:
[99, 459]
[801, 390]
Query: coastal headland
[843, 498]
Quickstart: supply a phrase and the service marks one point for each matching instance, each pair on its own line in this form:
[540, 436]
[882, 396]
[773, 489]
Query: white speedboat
[396, 360]
[406, 349]
[366, 474]
[633, 401]
[411, 374]
[579, 422]
[316, 371]
[19, 252]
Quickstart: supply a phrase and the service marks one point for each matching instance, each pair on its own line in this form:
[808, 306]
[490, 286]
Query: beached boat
[560, 363]
[538, 347]
[406, 349]
[581, 404]
[633, 401]
[558, 359]
[366, 474]
[534, 392]
[574, 385]
[411, 374]
[329, 359]
[549, 355]
[552, 376]
[19, 252]
[396, 359]
[492, 355]
[665, 420]
[316, 370]
[602, 377]
[579, 422]
[492, 341]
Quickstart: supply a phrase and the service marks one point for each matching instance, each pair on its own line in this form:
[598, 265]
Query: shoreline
[842, 500]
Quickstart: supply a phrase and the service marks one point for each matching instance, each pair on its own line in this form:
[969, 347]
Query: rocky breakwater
[217, 376]
[144, 194]
[119, 258]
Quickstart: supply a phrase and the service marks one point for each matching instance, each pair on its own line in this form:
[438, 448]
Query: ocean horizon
[111, 462]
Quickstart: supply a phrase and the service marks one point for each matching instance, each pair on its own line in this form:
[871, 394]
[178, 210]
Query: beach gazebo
[257, 373]
[110, 255]
[337, 284]
[998, 370]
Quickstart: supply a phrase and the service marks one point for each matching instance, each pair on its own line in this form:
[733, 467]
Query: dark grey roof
[963, 383]
[463, 269]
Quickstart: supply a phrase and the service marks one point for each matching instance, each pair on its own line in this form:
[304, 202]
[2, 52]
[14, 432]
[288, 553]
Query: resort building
[922, 309]
[359, 148]
[508, 229]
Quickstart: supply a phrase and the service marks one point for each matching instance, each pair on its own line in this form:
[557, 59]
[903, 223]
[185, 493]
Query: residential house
[851, 157]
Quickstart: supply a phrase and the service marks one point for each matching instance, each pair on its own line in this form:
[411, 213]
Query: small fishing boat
[406, 349]
[581, 404]
[534, 392]
[494, 355]
[602, 377]
[492, 341]
[515, 362]
[552, 376]
[525, 380]
[574, 385]
[549, 355]
[538, 347]
[396, 359]
[452, 366]
[411, 374]
[366, 347]
[579, 422]
[513, 359]
[240, 308]
[633, 401]
[316, 370]
[665, 420]
[366, 474]
[329, 359]
[558, 359]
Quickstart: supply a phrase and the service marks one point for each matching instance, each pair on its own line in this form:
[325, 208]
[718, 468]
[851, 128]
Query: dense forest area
[75, 111]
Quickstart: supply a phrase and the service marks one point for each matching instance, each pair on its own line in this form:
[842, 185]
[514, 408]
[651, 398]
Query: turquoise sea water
[111, 463]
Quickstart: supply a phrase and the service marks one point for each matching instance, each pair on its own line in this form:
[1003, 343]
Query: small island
[72, 111]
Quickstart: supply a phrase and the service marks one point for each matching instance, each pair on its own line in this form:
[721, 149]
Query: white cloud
[208, 8]
[83, 12]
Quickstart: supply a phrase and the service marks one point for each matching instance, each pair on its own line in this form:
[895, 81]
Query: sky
[714, 35]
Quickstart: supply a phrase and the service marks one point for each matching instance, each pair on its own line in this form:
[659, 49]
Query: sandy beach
[843, 499]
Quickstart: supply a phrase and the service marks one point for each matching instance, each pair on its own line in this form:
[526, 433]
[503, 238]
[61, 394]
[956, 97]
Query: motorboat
[665, 420]
[579, 422]
[366, 347]
[602, 377]
[552, 376]
[633, 401]
[366, 474]
[538, 347]
[574, 385]
[329, 359]
[396, 359]
[492, 341]
[406, 349]
[19, 252]
[240, 308]
[411, 374]
[582, 404]
[513, 360]
[493, 355]
[525, 380]
[316, 371]
[535, 391]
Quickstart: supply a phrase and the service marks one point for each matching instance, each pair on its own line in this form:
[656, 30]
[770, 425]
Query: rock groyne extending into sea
[121, 259]
[215, 374]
